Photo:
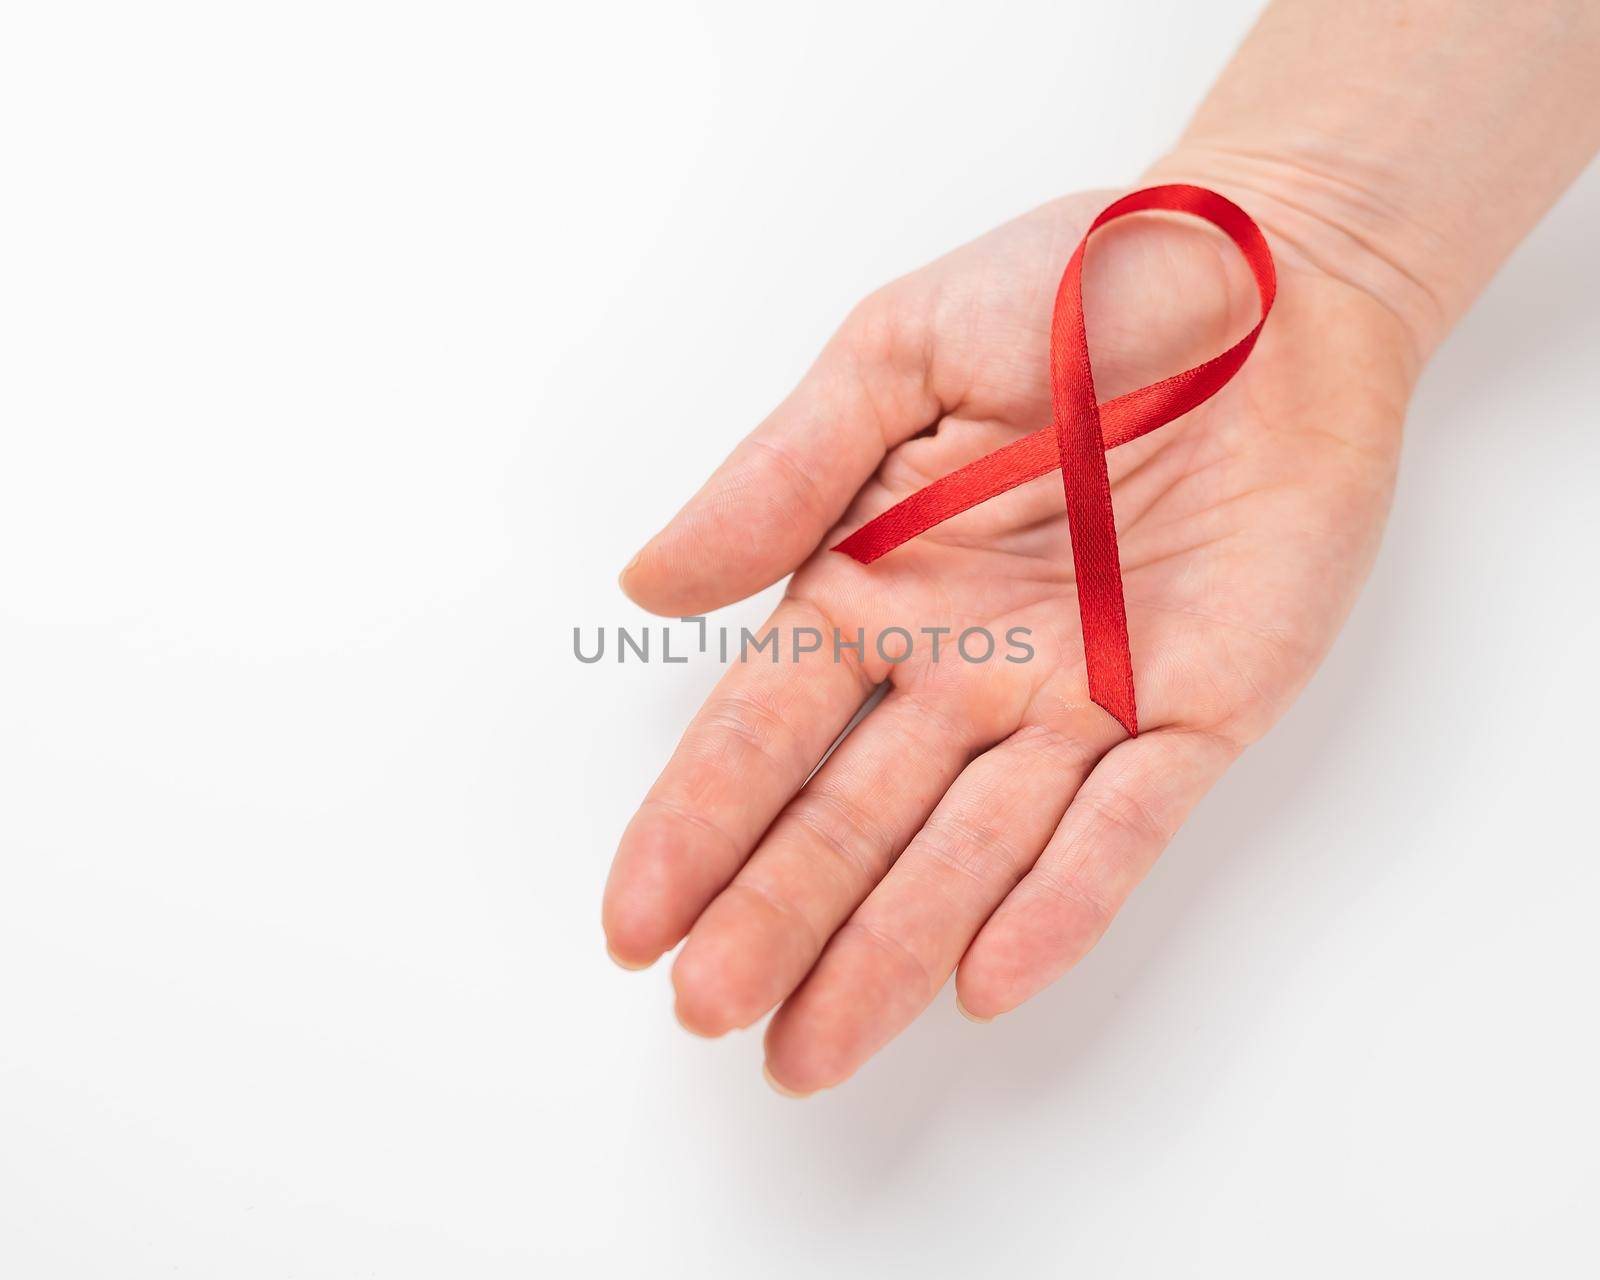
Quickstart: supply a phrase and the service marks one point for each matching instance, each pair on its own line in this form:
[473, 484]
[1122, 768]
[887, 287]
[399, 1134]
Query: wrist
[1332, 227]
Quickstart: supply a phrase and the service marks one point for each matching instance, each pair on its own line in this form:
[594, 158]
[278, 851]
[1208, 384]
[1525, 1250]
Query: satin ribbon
[1082, 432]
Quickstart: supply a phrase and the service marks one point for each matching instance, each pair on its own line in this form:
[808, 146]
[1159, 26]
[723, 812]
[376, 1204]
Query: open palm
[986, 814]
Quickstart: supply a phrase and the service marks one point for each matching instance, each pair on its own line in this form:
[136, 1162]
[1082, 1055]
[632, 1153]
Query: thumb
[765, 509]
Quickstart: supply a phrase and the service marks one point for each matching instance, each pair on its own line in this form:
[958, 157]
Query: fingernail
[626, 964]
[967, 1013]
[778, 1086]
[629, 568]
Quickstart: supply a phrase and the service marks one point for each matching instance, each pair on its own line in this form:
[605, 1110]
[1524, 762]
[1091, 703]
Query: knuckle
[775, 904]
[806, 498]
[969, 849]
[1043, 740]
[752, 724]
[1072, 890]
[893, 950]
[674, 812]
[841, 831]
[1122, 814]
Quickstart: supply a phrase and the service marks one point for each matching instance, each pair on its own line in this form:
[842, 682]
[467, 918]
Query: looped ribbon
[1082, 432]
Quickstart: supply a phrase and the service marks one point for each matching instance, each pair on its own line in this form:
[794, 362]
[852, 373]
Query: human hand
[987, 818]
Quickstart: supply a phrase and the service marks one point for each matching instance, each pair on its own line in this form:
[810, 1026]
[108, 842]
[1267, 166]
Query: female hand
[986, 817]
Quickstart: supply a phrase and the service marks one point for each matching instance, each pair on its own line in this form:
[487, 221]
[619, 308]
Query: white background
[347, 353]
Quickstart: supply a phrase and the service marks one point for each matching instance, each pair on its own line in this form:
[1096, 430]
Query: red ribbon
[1083, 431]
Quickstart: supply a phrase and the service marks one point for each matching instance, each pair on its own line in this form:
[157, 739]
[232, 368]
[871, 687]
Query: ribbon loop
[1082, 432]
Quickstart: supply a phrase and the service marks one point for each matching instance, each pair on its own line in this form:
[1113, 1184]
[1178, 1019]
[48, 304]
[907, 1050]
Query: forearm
[1405, 146]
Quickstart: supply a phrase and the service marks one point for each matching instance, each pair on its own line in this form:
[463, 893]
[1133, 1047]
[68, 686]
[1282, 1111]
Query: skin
[988, 819]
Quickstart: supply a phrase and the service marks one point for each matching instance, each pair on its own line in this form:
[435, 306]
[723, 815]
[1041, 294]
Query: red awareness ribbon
[1077, 442]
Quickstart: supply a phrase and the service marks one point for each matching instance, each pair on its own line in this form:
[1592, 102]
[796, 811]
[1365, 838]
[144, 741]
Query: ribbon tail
[1080, 439]
[1106, 650]
[1111, 688]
